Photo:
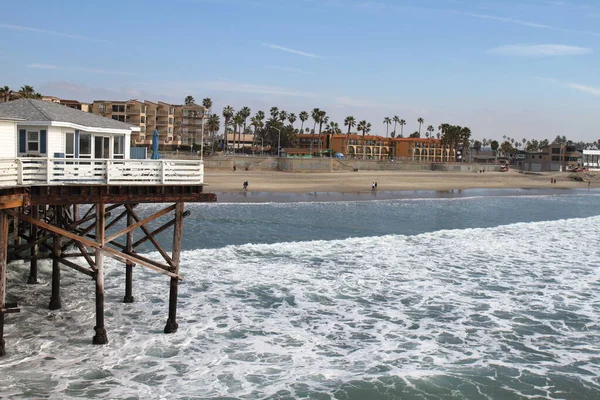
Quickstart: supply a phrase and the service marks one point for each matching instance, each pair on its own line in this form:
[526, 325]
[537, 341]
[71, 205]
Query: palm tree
[245, 113]
[28, 92]
[257, 123]
[283, 115]
[207, 103]
[396, 120]
[350, 122]
[274, 112]
[365, 127]
[213, 127]
[303, 117]
[238, 123]
[315, 113]
[6, 93]
[259, 117]
[189, 100]
[420, 121]
[430, 130]
[292, 118]
[227, 115]
[387, 121]
[402, 123]
[323, 118]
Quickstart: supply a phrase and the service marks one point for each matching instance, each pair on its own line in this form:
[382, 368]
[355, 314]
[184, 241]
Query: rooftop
[40, 110]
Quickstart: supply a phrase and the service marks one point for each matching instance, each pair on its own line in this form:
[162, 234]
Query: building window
[170, 130]
[171, 110]
[556, 150]
[102, 108]
[170, 121]
[119, 147]
[119, 118]
[85, 145]
[33, 142]
[555, 158]
[118, 108]
[70, 145]
[143, 120]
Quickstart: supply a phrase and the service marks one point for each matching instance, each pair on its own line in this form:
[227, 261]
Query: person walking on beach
[373, 186]
[245, 185]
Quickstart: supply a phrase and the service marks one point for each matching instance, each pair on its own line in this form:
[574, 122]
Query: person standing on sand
[373, 186]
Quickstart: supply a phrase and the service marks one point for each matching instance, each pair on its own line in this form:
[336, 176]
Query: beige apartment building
[176, 124]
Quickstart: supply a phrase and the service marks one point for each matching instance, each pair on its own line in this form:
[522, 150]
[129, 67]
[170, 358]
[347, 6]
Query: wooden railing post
[107, 174]
[49, 171]
[19, 172]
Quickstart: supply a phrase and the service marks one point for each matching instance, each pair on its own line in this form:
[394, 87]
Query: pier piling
[3, 266]
[100, 337]
[172, 324]
[129, 265]
[55, 302]
[33, 236]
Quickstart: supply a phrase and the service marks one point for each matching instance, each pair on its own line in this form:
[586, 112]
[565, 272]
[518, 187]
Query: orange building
[422, 149]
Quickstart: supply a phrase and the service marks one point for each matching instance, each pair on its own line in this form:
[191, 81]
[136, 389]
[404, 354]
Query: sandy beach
[221, 181]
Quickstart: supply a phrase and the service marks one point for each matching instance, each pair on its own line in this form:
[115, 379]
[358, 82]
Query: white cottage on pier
[37, 128]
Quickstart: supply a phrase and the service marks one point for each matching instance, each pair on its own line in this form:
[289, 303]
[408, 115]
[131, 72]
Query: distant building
[176, 124]
[591, 159]
[555, 157]
[77, 105]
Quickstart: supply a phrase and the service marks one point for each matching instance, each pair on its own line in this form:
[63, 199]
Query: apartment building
[556, 157]
[176, 124]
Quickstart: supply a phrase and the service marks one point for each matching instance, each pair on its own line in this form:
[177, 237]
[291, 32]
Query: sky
[520, 68]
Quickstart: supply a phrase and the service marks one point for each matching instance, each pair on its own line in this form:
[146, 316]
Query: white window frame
[88, 155]
[28, 141]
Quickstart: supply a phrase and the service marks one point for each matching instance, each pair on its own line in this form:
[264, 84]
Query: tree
[283, 115]
[477, 146]
[494, 146]
[506, 148]
[402, 123]
[257, 123]
[245, 113]
[212, 125]
[274, 112]
[415, 134]
[227, 116]
[420, 121]
[315, 113]
[364, 127]
[323, 118]
[238, 123]
[430, 130]
[350, 122]
[189, 100]
[6, 94]
[303, 117]
[28, 92]
[396, 120]
[387, 121]
[292, 118]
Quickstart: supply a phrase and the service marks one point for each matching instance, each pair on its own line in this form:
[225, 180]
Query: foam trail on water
[509, 311]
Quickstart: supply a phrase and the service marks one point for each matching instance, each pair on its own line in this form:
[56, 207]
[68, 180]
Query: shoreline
[286, 197]
[278, 186]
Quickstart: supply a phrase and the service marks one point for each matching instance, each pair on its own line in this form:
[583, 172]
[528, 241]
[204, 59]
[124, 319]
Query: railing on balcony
[70, 171]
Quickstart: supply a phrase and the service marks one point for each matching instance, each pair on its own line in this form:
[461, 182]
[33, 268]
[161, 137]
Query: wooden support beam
[3, 268]
[100, 337]
[172, 324]
[150, 237]
[77, 267]
[33, 233]
[86, 255]
[55, 302]
[159, 230]
[140, 223]
[128, 298]
[117, 255]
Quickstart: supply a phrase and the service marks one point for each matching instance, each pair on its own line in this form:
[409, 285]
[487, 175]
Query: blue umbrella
[155, 155]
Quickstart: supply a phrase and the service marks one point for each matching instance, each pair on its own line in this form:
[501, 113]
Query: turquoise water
[472, 297]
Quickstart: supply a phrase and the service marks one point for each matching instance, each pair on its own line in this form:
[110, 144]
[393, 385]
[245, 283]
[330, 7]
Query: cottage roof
[40, 110]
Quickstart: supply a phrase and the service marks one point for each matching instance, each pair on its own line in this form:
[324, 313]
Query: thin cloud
[540, 50]
[49, 32]
[288, 50]
[583, 88]
[289, 69]
[77, 69]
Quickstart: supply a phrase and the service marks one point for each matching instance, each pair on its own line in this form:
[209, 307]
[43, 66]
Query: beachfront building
[189, 123]
[77, 105]
[422, 150]
[241, 143]
[369, 147]
[591, 159]
[47, 129]
[556, 157]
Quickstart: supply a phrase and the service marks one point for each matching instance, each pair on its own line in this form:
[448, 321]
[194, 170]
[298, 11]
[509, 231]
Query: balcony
[133, 110]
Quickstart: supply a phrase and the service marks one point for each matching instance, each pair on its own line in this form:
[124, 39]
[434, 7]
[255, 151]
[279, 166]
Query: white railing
[69, 171]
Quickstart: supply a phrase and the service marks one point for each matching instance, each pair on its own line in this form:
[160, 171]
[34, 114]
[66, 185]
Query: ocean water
[484, 297]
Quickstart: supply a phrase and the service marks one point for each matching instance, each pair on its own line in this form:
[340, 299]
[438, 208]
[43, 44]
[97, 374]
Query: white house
[37, 128]
[591, 159]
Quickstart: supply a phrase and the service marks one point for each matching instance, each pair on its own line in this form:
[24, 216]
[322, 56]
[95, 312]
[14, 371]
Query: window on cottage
[70, 145]
[85, 145]
[33, 142]
[119, 147]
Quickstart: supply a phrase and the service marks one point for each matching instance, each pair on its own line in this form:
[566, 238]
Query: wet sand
[359, 183]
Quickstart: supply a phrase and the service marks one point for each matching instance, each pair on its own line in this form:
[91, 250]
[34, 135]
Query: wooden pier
[75, 212]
